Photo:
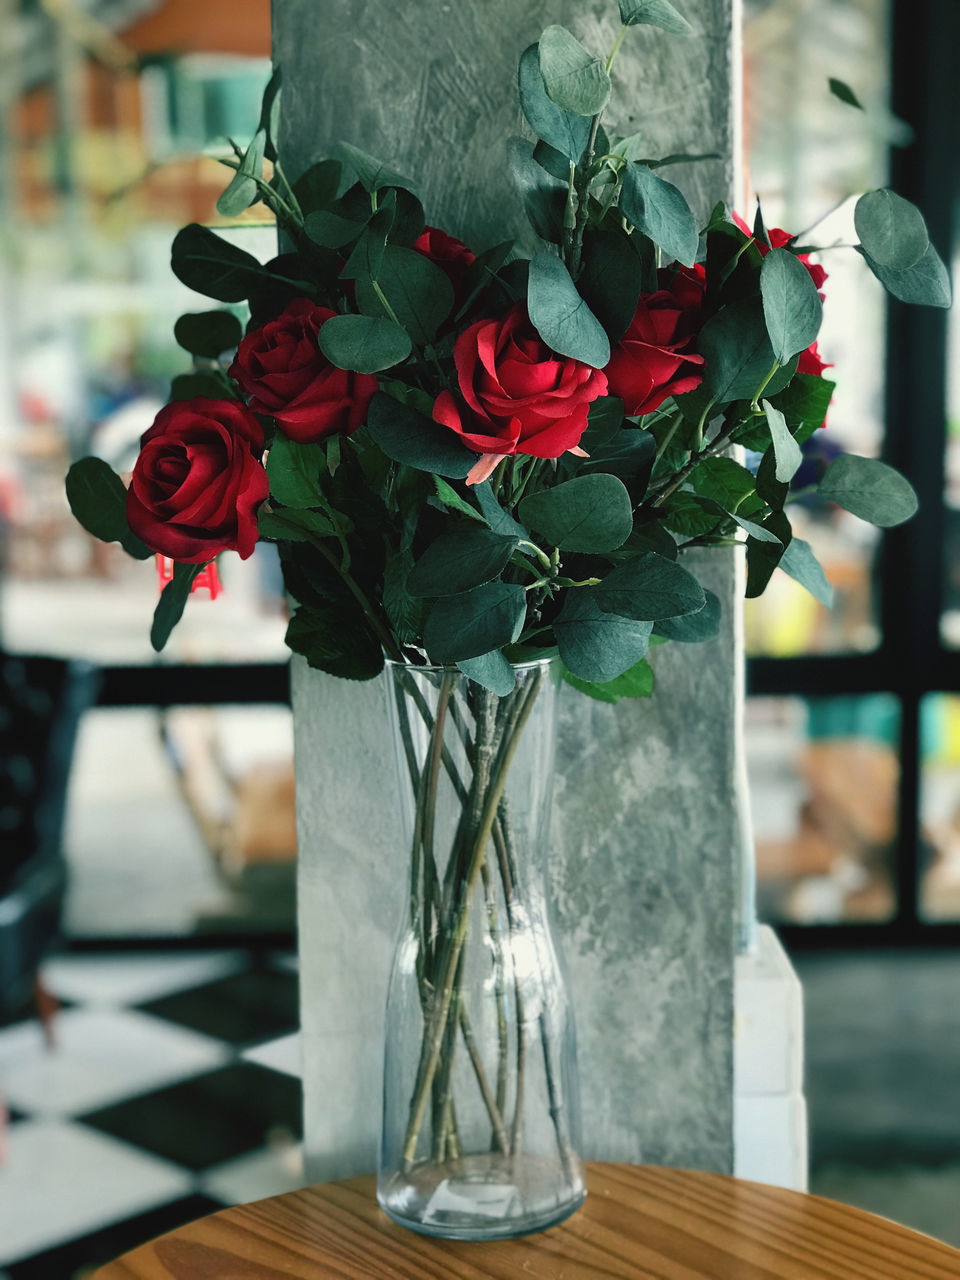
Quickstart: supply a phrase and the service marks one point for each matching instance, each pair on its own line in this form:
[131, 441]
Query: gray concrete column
[647, 831]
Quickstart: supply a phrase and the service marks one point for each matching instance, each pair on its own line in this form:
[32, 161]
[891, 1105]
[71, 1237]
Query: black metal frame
[911, 661]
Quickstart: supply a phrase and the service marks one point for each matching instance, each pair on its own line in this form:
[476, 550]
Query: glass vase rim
[391, 664]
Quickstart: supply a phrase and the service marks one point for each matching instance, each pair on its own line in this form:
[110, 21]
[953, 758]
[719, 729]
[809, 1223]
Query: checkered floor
[173, 1090]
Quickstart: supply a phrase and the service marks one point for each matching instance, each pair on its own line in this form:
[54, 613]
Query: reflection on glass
[200, 836]
[823, 783]
[806, 152]
[940, 807]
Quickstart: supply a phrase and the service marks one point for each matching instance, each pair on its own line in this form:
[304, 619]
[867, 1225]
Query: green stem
[616, 48]
[755, 403]
[384, 303]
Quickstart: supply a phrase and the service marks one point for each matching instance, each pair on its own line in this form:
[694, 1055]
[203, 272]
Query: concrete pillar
[647, 829]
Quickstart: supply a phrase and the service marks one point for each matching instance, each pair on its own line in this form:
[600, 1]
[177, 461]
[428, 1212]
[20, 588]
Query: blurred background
[146, 804]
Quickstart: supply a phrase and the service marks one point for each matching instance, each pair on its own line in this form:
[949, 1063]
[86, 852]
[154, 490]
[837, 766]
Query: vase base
[483, 1197]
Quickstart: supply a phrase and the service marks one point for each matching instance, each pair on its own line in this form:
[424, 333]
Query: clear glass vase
[481, 1116]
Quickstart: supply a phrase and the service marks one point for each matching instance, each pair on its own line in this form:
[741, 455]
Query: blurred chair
[41, 701]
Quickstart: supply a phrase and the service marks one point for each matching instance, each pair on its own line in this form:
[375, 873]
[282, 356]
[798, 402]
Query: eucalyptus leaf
[212, 384]
[544, 198]
[172, 602]
[98, 499]
[595, 645]
[409, 437]
[567, 132]
[365, 344]
[574, 79]
[841, 90]
[736, 350]
[786, 451]
[791, 305]
[611, 279]
[891, 229]
[244, 189]
[648, 588]
[869, 489]
[635, 683]
[591, 513]
[925, 284]
[418, 292]
[291, 524]
[560, 315]
[335, 640]
[208, 333]
[372, 173]
[294, 472]
[724, 480]
[270, 113]
[764, 556]
[460, 560]
[660, 211]
[331, 230]
[693, 628]
[491, 670]
[500, 521]
[206, 263]
[803, 566]
[654, 13]
[317, 187]
[472, 624]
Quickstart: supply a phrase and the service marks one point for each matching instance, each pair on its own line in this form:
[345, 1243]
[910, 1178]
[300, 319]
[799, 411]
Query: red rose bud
[286, 375]
[198, 481]
[518, 395]
[654, 359]
[451, 255]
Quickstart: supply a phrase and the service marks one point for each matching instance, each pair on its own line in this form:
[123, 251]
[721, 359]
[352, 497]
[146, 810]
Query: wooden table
[637, 1224]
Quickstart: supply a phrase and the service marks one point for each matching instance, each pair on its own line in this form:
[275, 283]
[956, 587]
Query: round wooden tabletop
[638, 1223]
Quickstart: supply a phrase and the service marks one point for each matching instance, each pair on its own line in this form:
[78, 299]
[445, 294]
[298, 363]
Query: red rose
[450, 254]
[520, 397]
[198, 481]
[778, 240]
[286, 375]
[654, 359]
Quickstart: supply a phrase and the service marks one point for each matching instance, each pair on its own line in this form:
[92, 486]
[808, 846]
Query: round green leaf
[205, 262]
[472, 624]
[648, 588]
[409, 437]
[492, 670]
[787, 453]
[574, 78]
[561, 129]
[244, 190]
[803, 566]
[925, 284]
[692, 628]
[294, 472]
[460, 560]
[591, 513]
[98, 499]
[654, 13]
[365, 344]
[372, 173]
[419, 292]
[208, 333]
[659, 210]
[611, 279]
[560, 315]
[595, 645]
[791, 305]
[736, 350]
[869, 489]
[891, 229]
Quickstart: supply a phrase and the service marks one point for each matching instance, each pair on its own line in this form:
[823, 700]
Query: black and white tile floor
[173, 1090]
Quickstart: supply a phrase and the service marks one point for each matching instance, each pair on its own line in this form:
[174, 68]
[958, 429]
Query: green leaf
[843, 91]
[690, 515]
[404, 612]
[330, 230]
[758, 532]
[803, 566]
[804, 404]
[604, 420]
[588, 513]
[98, 499]
[457, 561]
[560, 315]
[544, 198]
[208, 333]
[450, 498]
[891, 229]
[366, 257]
[293, 525]
[472, 624]
[270, 113]
[173, 600]
[791, 305]
[595, 645]
[243, 190]
[869, 489]
[372, 173]
[574, 79]
[317, 187]
[629, 455]
[786, 451]
[654, 13]
[335, 641]
[208, 264]
[294, 472]
[365, 344]
[211, 383]
[611, 279]
[500, 521]
[693, 628]
[418, 291]
[407, 436]
[635, 683]
[648, 588]
[567, 133]
[659, 210]
[724, 481]
[736, 351]
[764, 556]
[492, 670]
[925, 284]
